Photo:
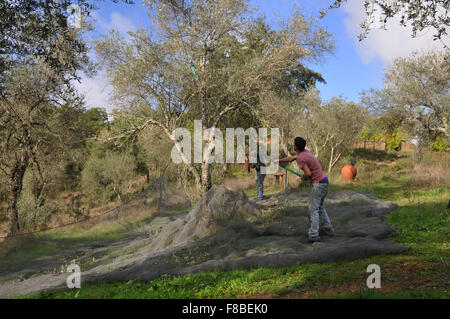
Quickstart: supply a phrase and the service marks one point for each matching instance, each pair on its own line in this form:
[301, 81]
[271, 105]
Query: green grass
[277, 282]
[422, 221]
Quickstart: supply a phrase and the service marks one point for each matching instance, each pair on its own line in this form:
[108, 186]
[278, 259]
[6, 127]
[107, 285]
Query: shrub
[441, 145]
[108, 178]
[33, 214]
[433, 173]
[394, 140]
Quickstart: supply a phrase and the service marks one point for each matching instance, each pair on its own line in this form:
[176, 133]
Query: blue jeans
[260, 184]
[319, 216]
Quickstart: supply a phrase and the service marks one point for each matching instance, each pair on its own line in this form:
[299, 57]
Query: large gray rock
[226, 230]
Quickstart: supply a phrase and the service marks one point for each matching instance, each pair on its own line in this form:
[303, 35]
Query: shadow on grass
[375, 155]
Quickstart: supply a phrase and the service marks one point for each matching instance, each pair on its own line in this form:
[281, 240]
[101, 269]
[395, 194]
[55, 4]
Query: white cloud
[96, 91]
[116, 22]
[388, 44]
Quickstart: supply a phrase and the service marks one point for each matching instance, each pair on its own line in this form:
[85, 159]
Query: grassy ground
[422, 272]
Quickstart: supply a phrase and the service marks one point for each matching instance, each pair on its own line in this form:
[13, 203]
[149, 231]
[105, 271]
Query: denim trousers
[260, 184]
[319, 216]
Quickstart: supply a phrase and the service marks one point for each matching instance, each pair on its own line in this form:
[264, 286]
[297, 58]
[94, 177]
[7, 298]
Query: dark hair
[300, 143]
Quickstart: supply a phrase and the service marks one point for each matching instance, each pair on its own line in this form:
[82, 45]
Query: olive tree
[416, 91]
[199, 62]
[37, 74]
[330, 127]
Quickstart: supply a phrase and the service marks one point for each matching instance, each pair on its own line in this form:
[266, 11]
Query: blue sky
[353, 67]
[344, 71]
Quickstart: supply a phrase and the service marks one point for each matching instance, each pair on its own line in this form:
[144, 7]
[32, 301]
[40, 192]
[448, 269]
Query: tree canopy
[420, 14]
[206, 61]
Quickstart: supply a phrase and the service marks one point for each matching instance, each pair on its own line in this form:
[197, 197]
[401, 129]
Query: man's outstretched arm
[287, 159]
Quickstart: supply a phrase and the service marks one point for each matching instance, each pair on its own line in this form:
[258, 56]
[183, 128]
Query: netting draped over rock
[226, 230]
[214, 210]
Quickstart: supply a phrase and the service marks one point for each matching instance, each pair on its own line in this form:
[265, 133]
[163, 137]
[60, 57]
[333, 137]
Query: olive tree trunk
[16, 185]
